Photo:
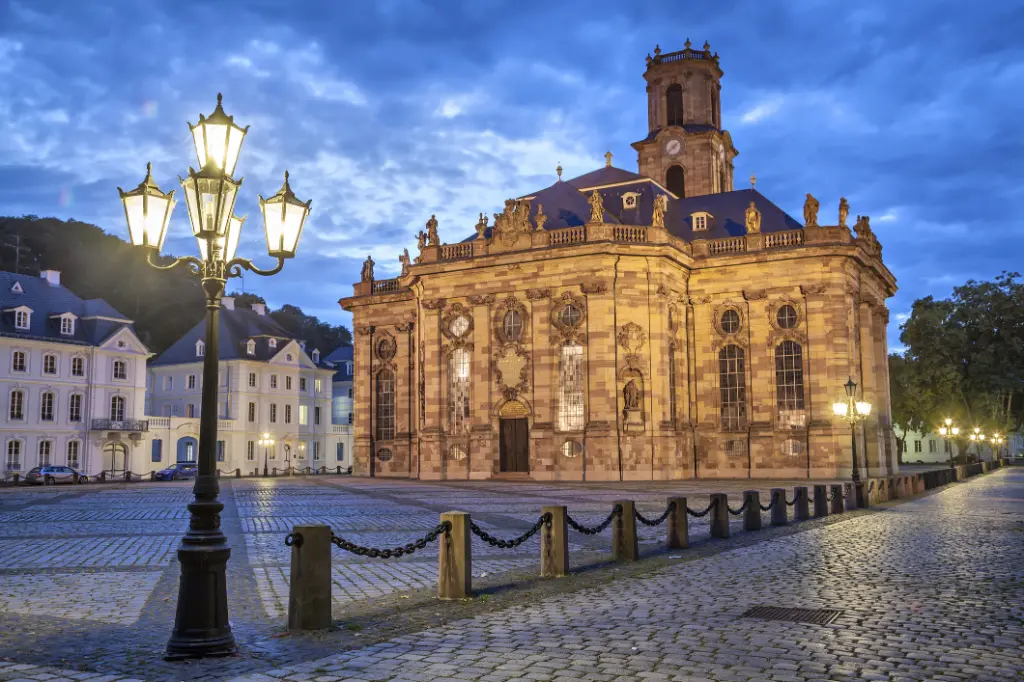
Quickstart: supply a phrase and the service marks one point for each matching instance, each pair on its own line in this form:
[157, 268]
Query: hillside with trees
[163, 303]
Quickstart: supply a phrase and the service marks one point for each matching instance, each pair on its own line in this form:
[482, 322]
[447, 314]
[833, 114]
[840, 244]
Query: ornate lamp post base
[201, 627]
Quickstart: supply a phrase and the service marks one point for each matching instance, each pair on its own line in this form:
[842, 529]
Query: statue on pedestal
[753, 219]
[844, 211]
[660, 206]
[432, 238]
[596, 207]
[367, 275]
[810, 211]
[404, 260]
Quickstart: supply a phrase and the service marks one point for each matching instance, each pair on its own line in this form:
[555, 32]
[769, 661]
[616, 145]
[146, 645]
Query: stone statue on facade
[481, 226]
[631, 396]
[367, 275]
[810, 211]
[596, 207]
[844, 211]
[432, 238]
[863, 226]
[404, 260]
[660, 207]
[540, 218]
[421, 240]
[753, 219]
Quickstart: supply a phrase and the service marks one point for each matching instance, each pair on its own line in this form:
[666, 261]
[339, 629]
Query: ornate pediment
[512, 227]
[631, 337]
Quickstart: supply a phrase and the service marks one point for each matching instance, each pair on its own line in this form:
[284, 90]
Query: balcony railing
[120, 425]
[773, 240]
[727, 245]
[568, 235]
[454, 251]
[381, 286]
[630, 233]
[343, 429]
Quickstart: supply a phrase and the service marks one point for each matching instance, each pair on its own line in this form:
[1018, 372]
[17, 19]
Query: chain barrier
[700, 514]
[616, 511]
[510, 544]
[788, 503]
[375, 553]
[293, 539]
[654, 522]
[770, 504]
[737, 512]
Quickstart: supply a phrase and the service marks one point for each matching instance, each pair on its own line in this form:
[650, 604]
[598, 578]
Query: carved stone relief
[568, 317]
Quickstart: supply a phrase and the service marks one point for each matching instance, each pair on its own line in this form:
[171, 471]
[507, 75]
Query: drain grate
[815, 616]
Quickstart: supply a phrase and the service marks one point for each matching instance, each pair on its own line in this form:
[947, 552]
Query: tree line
[164, 304]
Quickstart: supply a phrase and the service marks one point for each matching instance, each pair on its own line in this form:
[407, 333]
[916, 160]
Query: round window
[572, 449]
[384, 455]
[512, 325]
[456, 452]
[786, 317]
[460, 325]
[570, 315]
[730, 321]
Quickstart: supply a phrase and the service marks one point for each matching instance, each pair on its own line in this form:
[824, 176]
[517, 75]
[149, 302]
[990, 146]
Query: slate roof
[565, 204]
[236, 328]
[339, 358]
[45, 301]
[688, 127]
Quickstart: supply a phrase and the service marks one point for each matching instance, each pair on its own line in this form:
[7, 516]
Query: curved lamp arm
[236, 266]
[194, 264]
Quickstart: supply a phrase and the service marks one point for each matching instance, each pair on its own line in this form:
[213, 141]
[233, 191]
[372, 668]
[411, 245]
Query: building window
[74, 452]
[571, 449]
[18, 361]
[168, 383]
[67, 325]
[273, 381]
[732, 388]
[675, 181]
[17, 405]
[350, 393]
[75, 407]
[156, 454]
[190, 410]
[570, 315]
[674, 105]
[273, 413]
[220, 451]
[14, 455]
[250, 347]
[21, 319]
[349, 417]
[789, 376]
[672, 384]
[341, 452]
[288, 383]
[252, 413]
[46, 406]
[570, 388]
[512, 325]
[385, 405]
[252, 379]
[120, 370]
[714, 112]
[316, 416]
[302, 384]
[49, 364]
[303, 415]
[917, 446]
[250, 451]
[287, 414]
[318, 386]
[786, 317]
[931, 446]
[200, 349]
[947, 446]
[45, 452]
[700, 222]
[730, 321]
[458, 391]
[272, 343]
[191, 382]
[77, 367]
[316, 451]
[117, 408]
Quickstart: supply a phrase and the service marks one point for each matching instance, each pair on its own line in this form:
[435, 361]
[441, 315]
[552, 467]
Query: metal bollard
[801, 510]
[719, 515]
[752, 515]
[849, 497]
[455, 560]
[837, 498]
[779, 513]
[309, 590]
[820, 501]
[678, 525]
[554, 544]
[624, 541]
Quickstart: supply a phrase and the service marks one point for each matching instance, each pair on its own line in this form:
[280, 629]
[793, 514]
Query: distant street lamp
[201, 626]
[949, 429]
[978, 438]
[853, 412]
[998, 441]
[266, 442]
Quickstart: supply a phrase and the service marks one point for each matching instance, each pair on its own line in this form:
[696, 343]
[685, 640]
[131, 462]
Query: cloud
[764, 109]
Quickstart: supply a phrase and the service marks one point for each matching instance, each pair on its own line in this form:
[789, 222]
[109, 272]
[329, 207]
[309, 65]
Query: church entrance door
[515, 445]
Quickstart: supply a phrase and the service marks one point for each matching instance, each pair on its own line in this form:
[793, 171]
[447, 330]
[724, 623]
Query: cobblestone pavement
[930, 588]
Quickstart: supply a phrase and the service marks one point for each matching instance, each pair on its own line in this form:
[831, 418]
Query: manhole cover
[815, 616]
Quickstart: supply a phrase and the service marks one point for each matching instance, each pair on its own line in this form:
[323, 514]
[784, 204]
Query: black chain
[374, 553]
[616, 511]
[293, 539]
[700, 514]
[770, 504]
[510, 544]
[737, 512]
[788, 503]
[654, 522]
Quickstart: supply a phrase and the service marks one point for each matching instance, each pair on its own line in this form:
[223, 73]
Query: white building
[341, 405]
[74, 378]
[932, 448]
[269, 384]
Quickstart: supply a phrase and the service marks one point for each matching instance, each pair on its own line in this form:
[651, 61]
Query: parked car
[177, 472]
[49, 475]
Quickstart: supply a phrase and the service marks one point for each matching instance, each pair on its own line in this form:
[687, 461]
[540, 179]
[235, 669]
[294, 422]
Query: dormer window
[701, 220]
[250, 347]
[16, 289]
[200, 349]
[630, 200]
[316, 356]
[67, 325]
[22, 318]
[273, 343]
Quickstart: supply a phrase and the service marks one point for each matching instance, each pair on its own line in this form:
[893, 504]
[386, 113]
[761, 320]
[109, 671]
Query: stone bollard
[455, 563]
[719, 515]
[15, 479]
[752, 514]
[894, 488]
[238, 473]
[554, 544]
[849, 497]
[339, 470]
[624, 541]
[837, 498]
[678, 524]
[820, 501]
[309, 589]
[802, 509]
[152, 476]
[780, 517]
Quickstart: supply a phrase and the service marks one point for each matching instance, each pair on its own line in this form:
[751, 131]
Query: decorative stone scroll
[512, 369]
[594, 286]
[537, 294]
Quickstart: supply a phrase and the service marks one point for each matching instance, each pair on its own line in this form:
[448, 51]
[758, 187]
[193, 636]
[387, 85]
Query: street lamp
[266, 442]
[947, 430]
[853, 412]
[201, 625]
[997, 451]
[978, 438]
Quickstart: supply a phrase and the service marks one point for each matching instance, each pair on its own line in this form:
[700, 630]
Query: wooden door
[515, 445]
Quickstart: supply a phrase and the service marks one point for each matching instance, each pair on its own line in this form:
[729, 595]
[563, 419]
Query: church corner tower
[686, 149]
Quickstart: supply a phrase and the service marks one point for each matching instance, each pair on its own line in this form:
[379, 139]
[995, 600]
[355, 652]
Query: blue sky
[388, 111]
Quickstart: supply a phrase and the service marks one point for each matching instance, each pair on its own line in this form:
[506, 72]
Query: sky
[388, 111]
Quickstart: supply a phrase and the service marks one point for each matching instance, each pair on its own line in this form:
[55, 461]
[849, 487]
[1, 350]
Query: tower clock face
[673, 147]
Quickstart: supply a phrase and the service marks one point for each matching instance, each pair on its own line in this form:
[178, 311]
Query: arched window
[46, 401]
[714, 108]
[19, 362]
[675, 181]
[13, 455]
[200, 349]
[732, 386]
[385, 405]
[789, 376]
[75, 451]
[570, 388]
[458, 391]
[78, 367]
[17, 405]
[117, 408]
[45, 453]
[674, 104]
[49, 364]
[512, 325]
[75, 407]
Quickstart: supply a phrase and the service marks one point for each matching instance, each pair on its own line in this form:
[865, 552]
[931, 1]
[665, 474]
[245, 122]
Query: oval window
[384, 455]
[730, 321]
[460, 325]
[512, 325]
[572, 449]
[570, 315]
[786, 317]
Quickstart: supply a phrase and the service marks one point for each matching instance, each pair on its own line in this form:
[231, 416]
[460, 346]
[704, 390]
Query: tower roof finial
[608, 159]
[559, 171]
[687, 44]
[707, 46]
[753, 181]
[657, 50]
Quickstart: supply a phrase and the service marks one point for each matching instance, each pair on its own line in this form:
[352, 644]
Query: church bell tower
[687, 149]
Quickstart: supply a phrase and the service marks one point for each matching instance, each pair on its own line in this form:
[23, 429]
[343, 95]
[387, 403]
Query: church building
[619, 325]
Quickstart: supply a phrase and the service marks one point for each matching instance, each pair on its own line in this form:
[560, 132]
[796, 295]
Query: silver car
[49, 475]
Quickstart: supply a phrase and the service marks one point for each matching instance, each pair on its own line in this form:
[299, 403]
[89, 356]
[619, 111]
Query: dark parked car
[49, 475]
[177, 472]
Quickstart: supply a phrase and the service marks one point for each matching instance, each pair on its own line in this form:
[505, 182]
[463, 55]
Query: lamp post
[978, 438]
[201, 625]
[997, 451]
[947, 430]
[266, 442]
[853, 412]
